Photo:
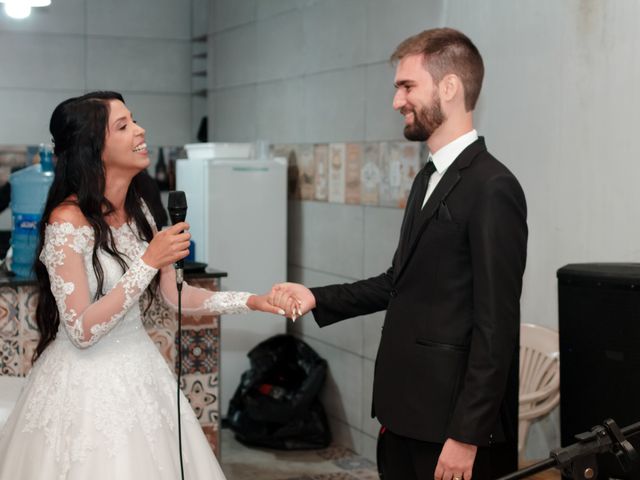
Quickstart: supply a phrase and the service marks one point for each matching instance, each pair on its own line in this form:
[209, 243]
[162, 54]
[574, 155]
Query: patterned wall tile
[202, 392]
[159, 315]
[164, 339]
[337, 172]
[409, 153]
[27, 348]
[10, 356]
[9, 321]
[353, 169]
[204, 321]
[212, 434]
[199, 350]
[306, 171]
[27, 303]
[321, 163]
[371, 174]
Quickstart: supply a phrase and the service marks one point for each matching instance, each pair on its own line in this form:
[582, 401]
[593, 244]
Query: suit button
[393, 293]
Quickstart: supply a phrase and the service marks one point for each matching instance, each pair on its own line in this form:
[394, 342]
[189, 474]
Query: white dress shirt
[444, 157]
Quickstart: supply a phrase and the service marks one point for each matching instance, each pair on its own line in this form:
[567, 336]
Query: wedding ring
[457, 478]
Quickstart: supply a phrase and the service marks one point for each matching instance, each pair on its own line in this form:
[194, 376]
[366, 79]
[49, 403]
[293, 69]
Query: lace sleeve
[86, 321]
[200, 301]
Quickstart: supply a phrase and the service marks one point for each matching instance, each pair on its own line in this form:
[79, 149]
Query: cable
[179, 352]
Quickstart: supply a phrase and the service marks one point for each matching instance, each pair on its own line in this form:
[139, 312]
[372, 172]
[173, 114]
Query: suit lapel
[410, 238]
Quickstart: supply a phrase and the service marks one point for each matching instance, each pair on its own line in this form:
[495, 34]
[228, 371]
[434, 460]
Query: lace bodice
[67, 255]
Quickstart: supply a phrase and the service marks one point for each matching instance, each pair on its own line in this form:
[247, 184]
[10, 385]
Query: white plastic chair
[539, 376]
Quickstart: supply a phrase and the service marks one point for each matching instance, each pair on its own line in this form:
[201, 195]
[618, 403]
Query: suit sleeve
[498, 239]
[338, 302]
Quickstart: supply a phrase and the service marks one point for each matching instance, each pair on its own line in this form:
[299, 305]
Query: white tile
[165, 117]
[232, 114]
[140, 65]
[345, 435]
[370, 426]
[336, 106]
[280, 43]
[276, 7]
[63, 16]
[413, 15]
[235, 56]
[381, 234]
[141, 18]
[326, 237]
[279, 116]
[30, 114]
[212, 67]
[200, 17]
[382, 121]
[42, 61]
[199, 109]
[342, 392]
[335, 35]
[369, 447]
[371, 332]
[347, 334]
[231, 13]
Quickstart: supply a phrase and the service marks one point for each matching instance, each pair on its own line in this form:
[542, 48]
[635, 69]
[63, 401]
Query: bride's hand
[168, 246]
[261, 303]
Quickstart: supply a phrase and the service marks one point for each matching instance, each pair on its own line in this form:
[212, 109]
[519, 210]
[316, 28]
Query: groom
[446, 378]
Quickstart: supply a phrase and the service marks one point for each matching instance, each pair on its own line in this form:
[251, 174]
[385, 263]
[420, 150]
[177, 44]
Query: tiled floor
[334, 463]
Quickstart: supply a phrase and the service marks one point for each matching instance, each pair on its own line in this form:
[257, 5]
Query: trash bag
[276, 404]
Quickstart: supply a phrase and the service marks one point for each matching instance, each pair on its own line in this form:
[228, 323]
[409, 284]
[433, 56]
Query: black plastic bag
[276, 403]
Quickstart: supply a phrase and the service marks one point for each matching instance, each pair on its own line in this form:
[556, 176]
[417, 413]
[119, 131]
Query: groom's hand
[281, 293]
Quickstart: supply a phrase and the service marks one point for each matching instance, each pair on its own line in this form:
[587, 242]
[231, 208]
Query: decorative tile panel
[199, 350]
[202, 392]
[9, 321]
[356, 173]
[10, 356]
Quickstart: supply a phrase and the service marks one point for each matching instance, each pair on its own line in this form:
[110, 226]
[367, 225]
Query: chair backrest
[539, 369]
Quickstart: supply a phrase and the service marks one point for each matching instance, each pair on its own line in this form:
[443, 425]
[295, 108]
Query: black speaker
[599, 326]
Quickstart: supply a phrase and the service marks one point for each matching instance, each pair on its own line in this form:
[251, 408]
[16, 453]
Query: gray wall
[559, 107]
[141, 49]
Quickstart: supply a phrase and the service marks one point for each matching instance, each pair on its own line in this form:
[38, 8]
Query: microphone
[177, 207]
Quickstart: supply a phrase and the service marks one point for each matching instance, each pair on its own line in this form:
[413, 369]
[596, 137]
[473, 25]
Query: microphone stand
[578, 461]
[179, 280]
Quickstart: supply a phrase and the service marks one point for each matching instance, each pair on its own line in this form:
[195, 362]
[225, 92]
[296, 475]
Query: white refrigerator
[237, 211]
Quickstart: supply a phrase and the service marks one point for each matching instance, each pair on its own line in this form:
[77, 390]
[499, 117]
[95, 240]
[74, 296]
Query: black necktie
[428, 170]
[421, 190]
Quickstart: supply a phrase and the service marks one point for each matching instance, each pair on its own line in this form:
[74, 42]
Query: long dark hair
[78, 126]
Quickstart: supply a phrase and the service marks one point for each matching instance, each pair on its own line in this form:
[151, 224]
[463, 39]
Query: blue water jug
[29, 189]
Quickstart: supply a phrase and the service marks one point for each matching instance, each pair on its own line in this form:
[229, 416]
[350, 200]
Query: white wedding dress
[100, 403]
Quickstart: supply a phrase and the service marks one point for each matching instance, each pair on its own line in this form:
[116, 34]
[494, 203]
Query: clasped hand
[289, 299]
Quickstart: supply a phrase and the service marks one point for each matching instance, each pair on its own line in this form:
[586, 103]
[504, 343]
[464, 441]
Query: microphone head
[177, 206]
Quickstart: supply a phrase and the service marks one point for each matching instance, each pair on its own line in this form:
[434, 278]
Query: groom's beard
[425, 121]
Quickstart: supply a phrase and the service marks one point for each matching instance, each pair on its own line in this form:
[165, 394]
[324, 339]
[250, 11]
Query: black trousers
[402, 458]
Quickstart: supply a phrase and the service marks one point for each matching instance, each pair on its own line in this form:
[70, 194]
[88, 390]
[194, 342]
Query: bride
[100, 400]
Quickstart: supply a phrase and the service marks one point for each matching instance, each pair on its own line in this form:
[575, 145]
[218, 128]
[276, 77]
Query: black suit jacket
[447, 365]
